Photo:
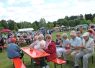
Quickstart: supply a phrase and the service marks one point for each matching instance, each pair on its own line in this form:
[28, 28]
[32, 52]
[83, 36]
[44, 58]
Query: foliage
[3, 24]
[71, 21]
[12, 25]
[89, 17]
[42, 23]
[50, 25]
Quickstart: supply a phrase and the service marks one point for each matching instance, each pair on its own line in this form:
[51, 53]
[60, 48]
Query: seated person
[58, 40]
[50, 48]
[75, 43]
[13, 50]
[86, 51]
[39, 44]
[38, 39]
[65, 47]
[35, 42]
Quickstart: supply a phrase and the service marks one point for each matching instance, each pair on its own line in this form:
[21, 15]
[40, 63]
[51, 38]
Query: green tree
[60, 22]
[4, 23]
[42, 22]
[12, 25]
[50, 25]
[54, 23]
[35, 25]
[89, 17]
[25, 24]
[83, 21]
[19, 25]
[94, 20]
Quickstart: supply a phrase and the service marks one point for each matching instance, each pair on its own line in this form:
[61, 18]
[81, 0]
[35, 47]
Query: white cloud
[10, 2]
[2, 9]
[37, 2]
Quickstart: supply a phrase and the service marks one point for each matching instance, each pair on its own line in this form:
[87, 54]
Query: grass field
[6, 63]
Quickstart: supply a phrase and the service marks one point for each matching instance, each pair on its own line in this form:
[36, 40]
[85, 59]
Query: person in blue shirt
[13, 50]
[75, 43]
[64, 49]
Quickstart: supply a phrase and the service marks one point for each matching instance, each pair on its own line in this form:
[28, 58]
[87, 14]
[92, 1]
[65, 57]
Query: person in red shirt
[50, 48]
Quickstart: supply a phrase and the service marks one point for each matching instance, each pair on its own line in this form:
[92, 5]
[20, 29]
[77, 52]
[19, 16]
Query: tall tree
[35, 25]
[88, 17]
[81, 17]
[25, 24]
[50, 25]
[54, 23]
[42, 22]
[12, 25]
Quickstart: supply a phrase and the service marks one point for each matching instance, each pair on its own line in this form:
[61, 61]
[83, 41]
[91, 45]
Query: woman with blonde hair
[50, 48]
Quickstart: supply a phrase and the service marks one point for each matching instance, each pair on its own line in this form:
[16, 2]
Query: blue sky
[51, 10]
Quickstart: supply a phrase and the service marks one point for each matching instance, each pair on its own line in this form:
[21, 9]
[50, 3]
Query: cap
[86, 34]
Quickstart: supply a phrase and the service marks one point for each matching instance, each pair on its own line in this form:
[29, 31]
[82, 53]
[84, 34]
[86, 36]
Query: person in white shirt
[86, 51]
[39, 42]
[35, 42]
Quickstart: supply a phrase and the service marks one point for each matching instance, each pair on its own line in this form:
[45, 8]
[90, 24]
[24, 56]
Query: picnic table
[34, 53]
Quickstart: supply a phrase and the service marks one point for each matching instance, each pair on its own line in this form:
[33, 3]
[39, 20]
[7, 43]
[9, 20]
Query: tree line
[71, 21]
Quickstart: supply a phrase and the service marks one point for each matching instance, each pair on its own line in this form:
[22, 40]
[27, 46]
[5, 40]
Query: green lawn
[6, 63]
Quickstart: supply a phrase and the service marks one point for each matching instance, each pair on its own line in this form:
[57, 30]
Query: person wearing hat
[13, 50]
[86, 50]
[92, 33]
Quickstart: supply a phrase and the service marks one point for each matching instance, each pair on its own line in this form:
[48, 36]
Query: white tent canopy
[25, 29]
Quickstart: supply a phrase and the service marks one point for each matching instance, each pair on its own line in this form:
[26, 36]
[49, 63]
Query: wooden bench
[18, 63]
[58, 61]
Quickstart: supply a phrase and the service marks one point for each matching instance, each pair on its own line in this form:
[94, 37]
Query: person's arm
[33, 44]
[91, 46]
[51, 48]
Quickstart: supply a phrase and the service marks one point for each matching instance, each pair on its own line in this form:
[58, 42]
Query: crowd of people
[78, 45]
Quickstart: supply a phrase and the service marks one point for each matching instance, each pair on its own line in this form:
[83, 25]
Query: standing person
[86, 51]
[50, 48]
[13, 50]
